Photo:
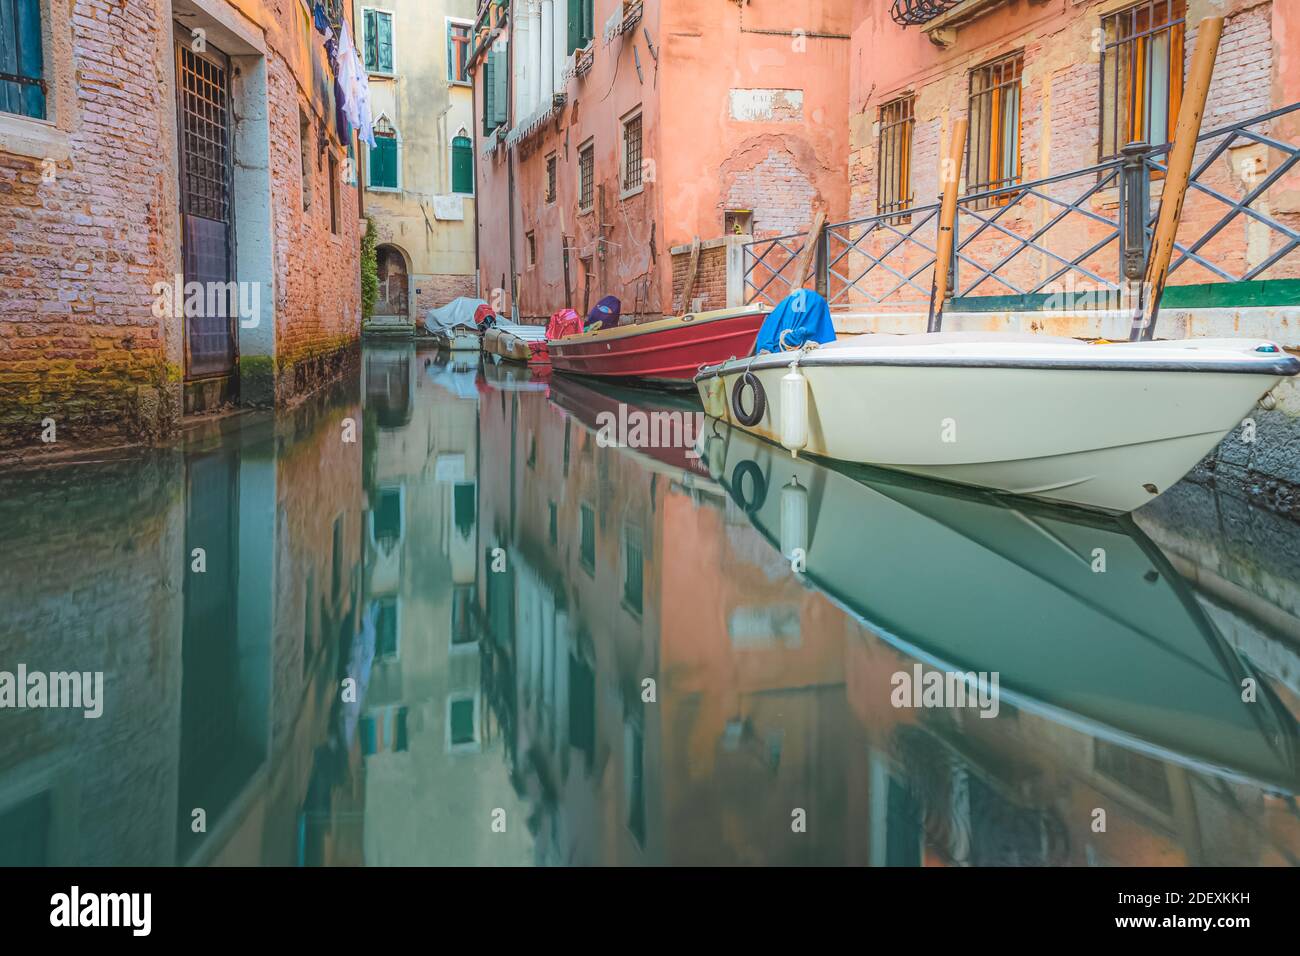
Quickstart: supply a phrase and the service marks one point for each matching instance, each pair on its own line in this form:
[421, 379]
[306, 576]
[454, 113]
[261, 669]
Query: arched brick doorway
[393, 302]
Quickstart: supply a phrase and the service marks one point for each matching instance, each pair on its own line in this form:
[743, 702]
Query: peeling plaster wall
[732, 118]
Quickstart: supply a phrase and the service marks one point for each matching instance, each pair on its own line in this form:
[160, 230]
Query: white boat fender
[794, 522]
[794, 410]
[715, 397]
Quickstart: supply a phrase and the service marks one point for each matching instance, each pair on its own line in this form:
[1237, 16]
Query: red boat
[666, 352]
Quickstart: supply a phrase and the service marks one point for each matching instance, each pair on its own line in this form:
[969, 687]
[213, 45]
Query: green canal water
[440, 616]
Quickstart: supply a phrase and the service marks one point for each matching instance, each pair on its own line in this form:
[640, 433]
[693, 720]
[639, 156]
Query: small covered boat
[665, 352]
[454, 327]
[517, 343]
[1103, 425]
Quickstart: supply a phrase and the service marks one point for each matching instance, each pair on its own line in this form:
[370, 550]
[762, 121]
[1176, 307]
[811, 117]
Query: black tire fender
[751, 418]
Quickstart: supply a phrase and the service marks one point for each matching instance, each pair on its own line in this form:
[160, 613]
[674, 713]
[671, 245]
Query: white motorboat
[1103, 425]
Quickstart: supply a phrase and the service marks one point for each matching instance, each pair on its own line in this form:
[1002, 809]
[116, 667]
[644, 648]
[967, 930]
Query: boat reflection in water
[672, 691]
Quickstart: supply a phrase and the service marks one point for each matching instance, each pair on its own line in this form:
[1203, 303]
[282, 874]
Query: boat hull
[670, 351]
[1105, 435]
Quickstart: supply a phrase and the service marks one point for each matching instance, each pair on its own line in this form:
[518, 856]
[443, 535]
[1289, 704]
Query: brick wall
[437, 290]
[81, 249]
[1059, 132]
[82, 243]
[710, 280]
[317, 271]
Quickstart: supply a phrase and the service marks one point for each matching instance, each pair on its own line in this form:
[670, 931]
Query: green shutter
[582, 23]
[370, 41]
[383, 162]
[386, 43]
[575, 24]
[500, 97]
[21, 55]
[462, 165]
[489, 69]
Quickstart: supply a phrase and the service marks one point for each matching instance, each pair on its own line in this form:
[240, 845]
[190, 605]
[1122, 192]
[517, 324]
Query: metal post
[821, 264]
[1134, 204]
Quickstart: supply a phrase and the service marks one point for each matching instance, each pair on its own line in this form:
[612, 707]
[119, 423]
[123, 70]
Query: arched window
[383, 166]
[462, 165]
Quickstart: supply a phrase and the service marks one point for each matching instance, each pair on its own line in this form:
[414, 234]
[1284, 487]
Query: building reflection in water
[472, 613]
[772, 689]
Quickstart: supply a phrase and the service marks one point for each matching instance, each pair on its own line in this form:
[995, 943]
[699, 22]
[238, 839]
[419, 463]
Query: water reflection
[438, 622]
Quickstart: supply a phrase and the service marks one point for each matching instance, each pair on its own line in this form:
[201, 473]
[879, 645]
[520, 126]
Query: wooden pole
[950, 177]
[568, 283]
[1179, 172]
[692, 268]
[803, 263]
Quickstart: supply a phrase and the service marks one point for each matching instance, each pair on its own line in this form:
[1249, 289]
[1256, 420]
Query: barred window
[894, 166]
[586, 172]
[552, 163]
[993, 148]
[1141, 74]
[632, 153]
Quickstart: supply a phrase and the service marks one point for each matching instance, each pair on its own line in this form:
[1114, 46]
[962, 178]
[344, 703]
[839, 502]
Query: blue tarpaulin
[803, 316]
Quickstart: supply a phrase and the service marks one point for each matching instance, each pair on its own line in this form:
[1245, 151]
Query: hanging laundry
[355, 89]
[321, 20]
[340, 114]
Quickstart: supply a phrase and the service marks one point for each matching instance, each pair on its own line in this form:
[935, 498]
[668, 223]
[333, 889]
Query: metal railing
[1088, 228]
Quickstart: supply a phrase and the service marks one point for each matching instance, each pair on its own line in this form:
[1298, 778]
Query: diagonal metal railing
[1069, 230]
[1250, 162]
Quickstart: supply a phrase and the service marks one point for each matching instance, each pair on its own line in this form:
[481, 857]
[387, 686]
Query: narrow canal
[433, 617]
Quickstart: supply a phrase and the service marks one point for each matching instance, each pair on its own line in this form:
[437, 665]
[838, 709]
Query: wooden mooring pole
[950, 177]
[1177, 176]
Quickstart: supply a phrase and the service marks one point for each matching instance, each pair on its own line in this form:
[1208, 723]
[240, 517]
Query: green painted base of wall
[1208, 295]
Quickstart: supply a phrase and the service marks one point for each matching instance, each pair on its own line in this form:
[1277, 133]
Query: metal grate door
[203, 123]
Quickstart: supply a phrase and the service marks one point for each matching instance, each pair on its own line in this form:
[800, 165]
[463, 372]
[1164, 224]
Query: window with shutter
[582, 23]
[22, 63]
[377, 42]
[462, 165]
[494, 91]
[383, 161]
[500, 101]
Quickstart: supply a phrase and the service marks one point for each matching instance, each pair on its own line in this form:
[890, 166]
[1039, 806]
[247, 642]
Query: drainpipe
[510, 163]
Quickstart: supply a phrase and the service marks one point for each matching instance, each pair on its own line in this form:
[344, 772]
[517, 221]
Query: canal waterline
[430, 617]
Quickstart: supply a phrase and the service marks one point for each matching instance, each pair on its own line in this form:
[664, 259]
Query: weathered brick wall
[710, 280]
[82, 246]
[81, 250]
[317, 271]
[437, 290]
[1061, 83]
